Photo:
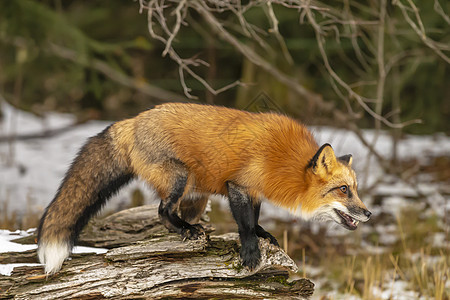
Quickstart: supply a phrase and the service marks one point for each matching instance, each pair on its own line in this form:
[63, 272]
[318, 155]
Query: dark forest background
[97, 60]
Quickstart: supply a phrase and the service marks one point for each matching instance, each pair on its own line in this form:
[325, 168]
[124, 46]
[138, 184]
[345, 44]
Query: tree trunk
[147, 262]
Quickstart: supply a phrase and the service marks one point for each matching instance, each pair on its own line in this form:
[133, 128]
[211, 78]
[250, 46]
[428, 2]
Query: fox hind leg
[176, 175]
[192, 208]
[169, 217]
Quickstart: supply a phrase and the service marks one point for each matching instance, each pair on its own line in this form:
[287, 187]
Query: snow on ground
[397, 290]
[7, 245]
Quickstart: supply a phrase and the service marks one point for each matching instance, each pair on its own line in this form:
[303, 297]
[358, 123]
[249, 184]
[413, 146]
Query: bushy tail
[97, 172]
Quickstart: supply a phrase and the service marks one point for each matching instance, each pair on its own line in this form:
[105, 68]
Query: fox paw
[260, 232]
[192, 232]
[250, 256]
[272, 239]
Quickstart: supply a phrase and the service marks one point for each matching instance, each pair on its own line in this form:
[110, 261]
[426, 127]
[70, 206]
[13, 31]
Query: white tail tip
[53, 255]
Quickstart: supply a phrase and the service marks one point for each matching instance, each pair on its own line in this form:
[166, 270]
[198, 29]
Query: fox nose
[367, 213]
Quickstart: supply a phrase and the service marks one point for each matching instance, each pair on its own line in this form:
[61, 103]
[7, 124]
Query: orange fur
[267, 153]
[264, 152]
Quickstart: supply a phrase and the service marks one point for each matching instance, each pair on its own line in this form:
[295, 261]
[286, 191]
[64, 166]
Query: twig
[177, 26]
[354, 36]
[156, 12]
[381, 81]
[420, 31]
[251, 55]
[277, 34]
[438, 8]
[38, 135]
[361, 100]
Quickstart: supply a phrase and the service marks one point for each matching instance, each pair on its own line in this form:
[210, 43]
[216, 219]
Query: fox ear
[323, 161]
[346, 159]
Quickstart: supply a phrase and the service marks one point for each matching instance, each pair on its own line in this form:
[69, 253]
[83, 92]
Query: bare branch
[419, 30]
[277, 34]
[156, 12]
[440, 11]
[381, 80]
[250, 54]
[177, 26]
[360, 99]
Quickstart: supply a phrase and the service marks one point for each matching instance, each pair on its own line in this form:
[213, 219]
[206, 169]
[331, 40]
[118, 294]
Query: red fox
[189, 151]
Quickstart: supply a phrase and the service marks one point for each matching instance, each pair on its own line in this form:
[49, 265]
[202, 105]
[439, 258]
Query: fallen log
[158, 266]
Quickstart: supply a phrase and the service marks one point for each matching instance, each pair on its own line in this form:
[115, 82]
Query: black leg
[242, 210]
[260, 232]
[169, 217]
[256, 210]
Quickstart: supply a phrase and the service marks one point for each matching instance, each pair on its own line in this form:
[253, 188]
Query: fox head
[332, 190]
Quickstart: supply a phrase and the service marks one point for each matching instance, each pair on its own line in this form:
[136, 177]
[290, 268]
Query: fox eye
[344, 189]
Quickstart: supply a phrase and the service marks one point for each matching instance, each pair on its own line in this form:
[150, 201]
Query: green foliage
[30, 29]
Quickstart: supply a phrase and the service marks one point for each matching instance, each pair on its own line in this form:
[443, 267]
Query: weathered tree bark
[150, 263]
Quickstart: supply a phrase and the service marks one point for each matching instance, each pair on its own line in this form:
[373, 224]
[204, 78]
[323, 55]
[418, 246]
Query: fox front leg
[243, 212]
[260, 232]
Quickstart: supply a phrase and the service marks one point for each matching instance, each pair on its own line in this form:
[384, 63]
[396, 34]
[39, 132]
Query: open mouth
[347, 221]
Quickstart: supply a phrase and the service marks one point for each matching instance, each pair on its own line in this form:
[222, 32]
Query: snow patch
[6, 245]
[6, 269]
[83, 249]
